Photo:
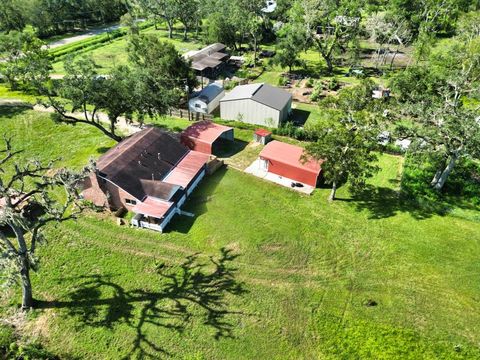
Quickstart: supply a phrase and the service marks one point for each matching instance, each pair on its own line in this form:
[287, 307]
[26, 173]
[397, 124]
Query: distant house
[209, 61]
[207, 137]
[207, 100]
[260, 104]
[271, 6]
[285, 160]
[150, 173]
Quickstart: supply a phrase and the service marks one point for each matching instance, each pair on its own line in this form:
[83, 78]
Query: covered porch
[154, 214]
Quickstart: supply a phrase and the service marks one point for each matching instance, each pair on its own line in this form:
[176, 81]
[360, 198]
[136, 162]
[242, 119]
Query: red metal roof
[153, 207]
[187, 169]
[263, 132]
[291, 155]
[205, 131]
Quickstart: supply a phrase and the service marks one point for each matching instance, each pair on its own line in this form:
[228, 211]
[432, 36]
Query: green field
[260, 272]
[115, 53]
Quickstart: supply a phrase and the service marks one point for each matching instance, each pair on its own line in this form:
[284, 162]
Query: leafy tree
[247, 20]
[290, 44]
[163, 9]
[330, 25]
[217, 28]
[12, 15]
[28, 204]
[346, 142]
[443, 125]
[26, 58]
[187, 12]
[163, 75]
[83, 90]
[347, 137]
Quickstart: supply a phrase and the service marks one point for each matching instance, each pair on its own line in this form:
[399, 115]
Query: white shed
[260, 104]
[207, 100]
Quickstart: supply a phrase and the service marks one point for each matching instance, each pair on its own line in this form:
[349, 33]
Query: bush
[309, 83]
[332, 84]
[317, 91]
[7, 337]
[282, 81]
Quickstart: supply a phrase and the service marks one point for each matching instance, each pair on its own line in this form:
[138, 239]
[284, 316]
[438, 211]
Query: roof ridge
[128, 146]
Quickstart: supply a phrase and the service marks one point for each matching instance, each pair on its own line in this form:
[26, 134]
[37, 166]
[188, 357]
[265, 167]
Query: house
[209, 61]
[207, 100]
[260, 104]
[207, 137]
[150, 173]
[285, 165]
[262, 136]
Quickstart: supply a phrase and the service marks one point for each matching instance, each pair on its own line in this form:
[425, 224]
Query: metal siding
[292, 172]
[252, 112]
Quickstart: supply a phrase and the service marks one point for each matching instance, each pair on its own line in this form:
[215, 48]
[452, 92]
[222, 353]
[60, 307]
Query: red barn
[206, 136]
[286, 160]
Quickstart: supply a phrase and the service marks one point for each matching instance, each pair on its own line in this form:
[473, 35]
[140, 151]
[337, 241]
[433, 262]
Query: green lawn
[115, 53]
[294, 282]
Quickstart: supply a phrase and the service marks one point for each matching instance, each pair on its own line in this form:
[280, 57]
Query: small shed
[207, 100]
[207, 137]
[262, 136]
[286, 160]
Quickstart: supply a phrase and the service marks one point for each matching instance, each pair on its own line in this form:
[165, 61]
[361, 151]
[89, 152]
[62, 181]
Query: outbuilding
[207, 100]
[287, 161]
[262, 136]
[260, 104]
[207, 137]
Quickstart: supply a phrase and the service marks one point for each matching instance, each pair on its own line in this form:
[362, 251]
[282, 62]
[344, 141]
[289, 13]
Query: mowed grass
[294, 282]
[116, 52]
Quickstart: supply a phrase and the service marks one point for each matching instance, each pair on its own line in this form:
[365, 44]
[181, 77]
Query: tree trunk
[333, 192]
[254, 51]
[443, 178]
[393, 58]
[27, 296]
[170, 29]
[329, 62]
[436, 178]
[185, 29]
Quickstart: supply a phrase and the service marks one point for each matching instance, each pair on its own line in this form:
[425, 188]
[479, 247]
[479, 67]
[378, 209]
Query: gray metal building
[260, 104]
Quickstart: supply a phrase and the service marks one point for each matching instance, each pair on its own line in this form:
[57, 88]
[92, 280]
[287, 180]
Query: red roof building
[262, 136]
[206, 136]
[286, 160]
[150, 173]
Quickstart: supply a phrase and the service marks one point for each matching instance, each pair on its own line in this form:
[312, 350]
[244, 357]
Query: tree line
[54, 17]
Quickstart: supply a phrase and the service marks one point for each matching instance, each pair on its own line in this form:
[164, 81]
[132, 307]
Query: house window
[130, 202]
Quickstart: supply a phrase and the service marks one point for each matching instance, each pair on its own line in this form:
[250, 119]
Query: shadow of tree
[16, 108]
[185, 289]
[384, 202]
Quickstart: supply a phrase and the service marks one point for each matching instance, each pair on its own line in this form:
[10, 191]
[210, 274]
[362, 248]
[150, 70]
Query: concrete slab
[256, 169]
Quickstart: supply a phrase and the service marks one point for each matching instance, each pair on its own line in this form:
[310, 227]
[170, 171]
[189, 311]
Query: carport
[207, 137]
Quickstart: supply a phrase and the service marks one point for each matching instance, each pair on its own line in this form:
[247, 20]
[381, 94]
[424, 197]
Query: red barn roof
[206, 131]
[290, 155]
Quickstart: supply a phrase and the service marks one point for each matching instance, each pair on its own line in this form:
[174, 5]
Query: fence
[192, 116]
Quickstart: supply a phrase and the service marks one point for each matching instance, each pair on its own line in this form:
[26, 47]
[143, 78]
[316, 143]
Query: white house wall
[250, 111]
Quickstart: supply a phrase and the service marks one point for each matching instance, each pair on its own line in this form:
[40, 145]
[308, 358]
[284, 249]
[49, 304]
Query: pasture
[259, 272]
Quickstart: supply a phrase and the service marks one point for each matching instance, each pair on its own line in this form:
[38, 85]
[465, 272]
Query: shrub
[317, 91]
[282, 81]
[309, 83]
